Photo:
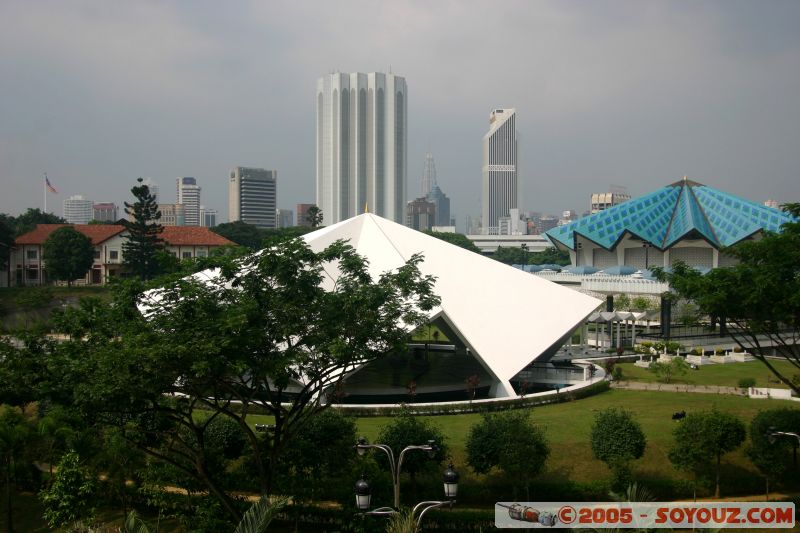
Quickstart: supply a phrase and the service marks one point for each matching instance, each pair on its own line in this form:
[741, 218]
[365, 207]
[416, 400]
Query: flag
[49, 187]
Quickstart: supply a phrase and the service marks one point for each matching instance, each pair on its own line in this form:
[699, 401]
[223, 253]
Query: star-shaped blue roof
[667, 215]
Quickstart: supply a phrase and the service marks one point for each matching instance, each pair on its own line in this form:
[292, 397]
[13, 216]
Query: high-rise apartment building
[188, 194]
[500, 191]
[78, 210]
[253, 196]
[105, 212]
[361, 145]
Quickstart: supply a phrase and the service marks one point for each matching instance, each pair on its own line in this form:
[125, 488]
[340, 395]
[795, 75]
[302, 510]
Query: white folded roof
[505, 316]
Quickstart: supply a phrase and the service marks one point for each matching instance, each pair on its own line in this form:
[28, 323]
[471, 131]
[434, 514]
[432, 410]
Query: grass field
[568, 425]
[727, 375]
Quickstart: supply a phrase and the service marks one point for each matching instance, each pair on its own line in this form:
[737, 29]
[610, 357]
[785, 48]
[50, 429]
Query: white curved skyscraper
[361, 145]
[500, 190]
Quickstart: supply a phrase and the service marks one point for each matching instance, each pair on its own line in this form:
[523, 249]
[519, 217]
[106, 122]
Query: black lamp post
[363, 493]
[773, 434]
[524, 247]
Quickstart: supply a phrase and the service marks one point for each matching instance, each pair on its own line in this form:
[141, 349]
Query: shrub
[617, 373]
[746, 383]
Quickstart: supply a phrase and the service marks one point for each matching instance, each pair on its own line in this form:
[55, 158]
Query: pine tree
[141, 247]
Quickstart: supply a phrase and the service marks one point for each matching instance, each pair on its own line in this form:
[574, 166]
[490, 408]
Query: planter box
[722, 359]
[742, 357]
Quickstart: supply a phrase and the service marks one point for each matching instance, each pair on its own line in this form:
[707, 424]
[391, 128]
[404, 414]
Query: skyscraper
[442, 203]
[500, 191]
[252, 196]
[105, 212]
[189, 196]
[78, 210]
[361, 145]
[428, 174]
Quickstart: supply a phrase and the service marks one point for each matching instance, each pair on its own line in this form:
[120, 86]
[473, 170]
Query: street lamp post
[363, 492]
[773, 434]
[524, 247]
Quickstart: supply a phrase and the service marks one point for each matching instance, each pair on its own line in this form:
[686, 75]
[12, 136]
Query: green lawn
[727, 375]
[568, 425]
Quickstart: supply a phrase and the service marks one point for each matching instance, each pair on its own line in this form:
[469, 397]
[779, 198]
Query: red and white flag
[49, 186]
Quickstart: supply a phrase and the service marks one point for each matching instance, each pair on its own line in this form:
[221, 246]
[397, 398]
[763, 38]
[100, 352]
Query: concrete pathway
[675, 387]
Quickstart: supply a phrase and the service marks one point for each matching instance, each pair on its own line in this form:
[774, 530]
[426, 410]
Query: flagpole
[44, 186]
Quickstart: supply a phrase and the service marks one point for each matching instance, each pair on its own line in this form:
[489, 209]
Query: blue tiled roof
[669, 214]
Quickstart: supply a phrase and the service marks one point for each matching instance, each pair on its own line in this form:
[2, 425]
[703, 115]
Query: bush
[407, 430]
[746, 383]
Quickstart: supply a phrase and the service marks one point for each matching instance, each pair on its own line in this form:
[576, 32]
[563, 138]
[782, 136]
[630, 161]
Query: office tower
[285, 218]
[421, 214]
[153, 187]
[361, 145]
[208, 217]
[442, 203]
[105, 212]
[78, 210]
[500, 192]
[172, 214]
[428, 174]
[252, 196]
[302, 215]
[189, 196]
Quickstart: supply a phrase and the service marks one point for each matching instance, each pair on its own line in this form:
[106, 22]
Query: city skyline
[611, 93]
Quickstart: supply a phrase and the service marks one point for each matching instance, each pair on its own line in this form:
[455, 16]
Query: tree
[241, 233]
[15, 440]
[28, 220]
[314, 216]
[552, 256]
[510, 442]
[617, 440]
[68, 254]
[702, 438]
[758, 296]
[455, 238]
[260, 333]
[142, 243]
[667, 371]
[406, 429]
[69, 500]
[6, 241]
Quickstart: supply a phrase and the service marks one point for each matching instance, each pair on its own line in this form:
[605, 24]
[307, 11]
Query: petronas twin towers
[362, 132]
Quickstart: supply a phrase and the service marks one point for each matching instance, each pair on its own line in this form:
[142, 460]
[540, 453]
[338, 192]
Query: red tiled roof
[98, 233]
[192, 236]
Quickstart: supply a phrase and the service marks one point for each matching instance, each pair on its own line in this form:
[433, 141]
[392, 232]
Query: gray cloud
[631, 93]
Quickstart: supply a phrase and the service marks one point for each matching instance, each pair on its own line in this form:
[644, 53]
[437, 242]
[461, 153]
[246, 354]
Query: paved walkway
[674, 387]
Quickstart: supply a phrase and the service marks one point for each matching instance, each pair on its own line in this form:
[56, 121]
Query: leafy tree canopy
[702, 438]
[760, 296]
[408, 430]
[520, 256]
[28, 220]
[458, 239]
[617, 439]
[68, 254]
[314, 216]
[263, 332]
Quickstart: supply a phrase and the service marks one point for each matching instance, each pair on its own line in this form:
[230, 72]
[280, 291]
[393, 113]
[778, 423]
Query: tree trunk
[716, 491]
[9, 522]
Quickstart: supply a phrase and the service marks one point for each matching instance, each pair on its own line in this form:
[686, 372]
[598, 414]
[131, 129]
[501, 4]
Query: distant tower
[152, 186]
[78, 210]
[428, 174]
[189, 196]
[500, 191]
[361, 145]
[253, 196]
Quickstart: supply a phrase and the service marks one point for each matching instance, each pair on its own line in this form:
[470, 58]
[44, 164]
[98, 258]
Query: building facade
[285, 218]
[500, 190]
[421, 214]
[208, 217]
[253, 196]
[105, 212]
[27, 267]
[172, 214]
[361, 145]
[604, 200]
[78, 210]
[442, 203]
[302, 215]
[188, 195]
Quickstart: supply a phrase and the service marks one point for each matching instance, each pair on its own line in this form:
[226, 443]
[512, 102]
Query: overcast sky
[630, 93]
